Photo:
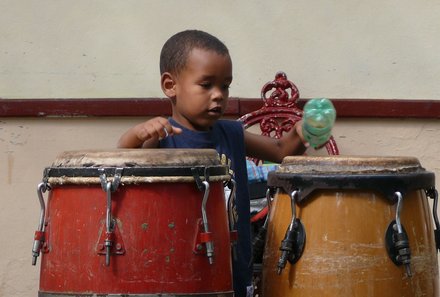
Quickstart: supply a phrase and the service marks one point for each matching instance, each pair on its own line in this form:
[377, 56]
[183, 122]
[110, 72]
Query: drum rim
[386, 183]
[227, 293]
[135, 175]
[137, 166]
[340, 164]
[153, 157]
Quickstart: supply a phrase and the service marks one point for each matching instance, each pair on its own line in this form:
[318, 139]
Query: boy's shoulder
[230, 124]
[230, 127]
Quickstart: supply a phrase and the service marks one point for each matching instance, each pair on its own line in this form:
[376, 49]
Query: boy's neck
[191, 127]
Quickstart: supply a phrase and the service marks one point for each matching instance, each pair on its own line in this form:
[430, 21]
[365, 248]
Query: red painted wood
[157, 224]
[391, 108]
[84, 107]
[142, 107]
[92, 107]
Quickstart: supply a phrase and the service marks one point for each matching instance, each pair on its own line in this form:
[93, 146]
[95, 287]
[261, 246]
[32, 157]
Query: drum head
[383, 174]
[137, 166]
[137, 158]
[349, 165]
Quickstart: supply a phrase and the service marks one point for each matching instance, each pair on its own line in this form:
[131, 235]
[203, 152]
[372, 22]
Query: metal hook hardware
[231, 200]
[209, 244]
[204, 185]
[109, 187]
[433, 194]
[39, 237]
[259, 240]
[231, 216]
[292, 246]
[396, 239]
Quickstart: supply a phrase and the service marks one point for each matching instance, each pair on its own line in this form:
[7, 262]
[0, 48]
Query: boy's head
[196, 72]
[176, 49]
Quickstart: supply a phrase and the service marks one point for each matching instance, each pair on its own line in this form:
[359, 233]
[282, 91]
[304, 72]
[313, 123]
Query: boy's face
[202, 89]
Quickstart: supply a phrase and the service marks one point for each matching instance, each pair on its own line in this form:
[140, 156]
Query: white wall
[89, 49]
[337, 49]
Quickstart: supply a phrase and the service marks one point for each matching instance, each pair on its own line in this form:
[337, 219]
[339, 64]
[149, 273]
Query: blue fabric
[228, 139]
[258, 173]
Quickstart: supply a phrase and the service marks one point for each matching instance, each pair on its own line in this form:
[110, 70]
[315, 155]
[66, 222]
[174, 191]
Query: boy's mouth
[215, 110]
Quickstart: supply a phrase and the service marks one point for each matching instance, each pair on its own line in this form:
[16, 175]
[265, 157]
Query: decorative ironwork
[280, 111]
[280, 96]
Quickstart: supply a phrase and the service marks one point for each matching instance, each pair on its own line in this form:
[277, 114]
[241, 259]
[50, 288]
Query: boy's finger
[166, 132]
[158, 130]
[169, 130]
[176, 130]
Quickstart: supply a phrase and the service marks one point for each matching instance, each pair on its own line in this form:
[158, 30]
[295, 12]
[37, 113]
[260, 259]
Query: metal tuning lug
[292, 246]
[209, 243]
[39, 236]
[109, 187]
[433, 194]
[396, 240]
[259, 241]
[108, 242]
[232, 217]
[206, 235]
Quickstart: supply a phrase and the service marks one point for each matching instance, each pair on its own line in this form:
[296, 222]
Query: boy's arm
[274, 150]
[147, 134]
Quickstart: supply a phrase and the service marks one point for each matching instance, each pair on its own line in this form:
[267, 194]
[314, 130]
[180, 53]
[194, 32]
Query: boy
[196, 72]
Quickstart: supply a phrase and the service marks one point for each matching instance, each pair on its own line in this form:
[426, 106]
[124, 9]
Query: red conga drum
[350, 226]
[135, 223]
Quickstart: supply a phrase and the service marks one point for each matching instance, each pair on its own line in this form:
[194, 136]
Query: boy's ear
[168, 84]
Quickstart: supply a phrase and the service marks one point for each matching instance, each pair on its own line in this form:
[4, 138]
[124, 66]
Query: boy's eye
[206, 85]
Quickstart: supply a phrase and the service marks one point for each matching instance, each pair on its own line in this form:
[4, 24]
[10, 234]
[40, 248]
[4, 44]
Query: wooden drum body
[346, 235]
[150, 240]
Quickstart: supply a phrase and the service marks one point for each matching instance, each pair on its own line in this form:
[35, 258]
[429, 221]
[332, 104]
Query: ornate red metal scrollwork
[280, 96]
[280, 111]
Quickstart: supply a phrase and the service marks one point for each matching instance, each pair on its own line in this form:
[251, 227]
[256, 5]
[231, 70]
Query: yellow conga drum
[350, 226]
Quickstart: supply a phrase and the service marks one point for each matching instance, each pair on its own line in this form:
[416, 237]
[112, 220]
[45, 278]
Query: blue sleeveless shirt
[227, 138]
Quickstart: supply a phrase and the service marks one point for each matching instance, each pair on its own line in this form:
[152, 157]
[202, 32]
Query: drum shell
[345, 251]
[157, 226]
[346, 216]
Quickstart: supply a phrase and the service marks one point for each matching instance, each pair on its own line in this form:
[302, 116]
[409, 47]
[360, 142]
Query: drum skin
[157, 228]
[345, 252]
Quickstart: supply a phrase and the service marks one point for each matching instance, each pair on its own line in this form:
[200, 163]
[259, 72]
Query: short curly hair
[176, 49]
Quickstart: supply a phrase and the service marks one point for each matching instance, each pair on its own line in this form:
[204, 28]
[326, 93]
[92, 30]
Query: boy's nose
[218, 94]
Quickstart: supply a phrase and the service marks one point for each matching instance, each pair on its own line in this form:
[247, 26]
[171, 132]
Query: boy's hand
[157, 128]
[147, 134]
[299, 131]
[298, 128]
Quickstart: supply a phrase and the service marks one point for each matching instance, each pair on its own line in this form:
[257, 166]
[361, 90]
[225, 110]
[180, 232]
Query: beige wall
[338, 49]
[84, 49]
